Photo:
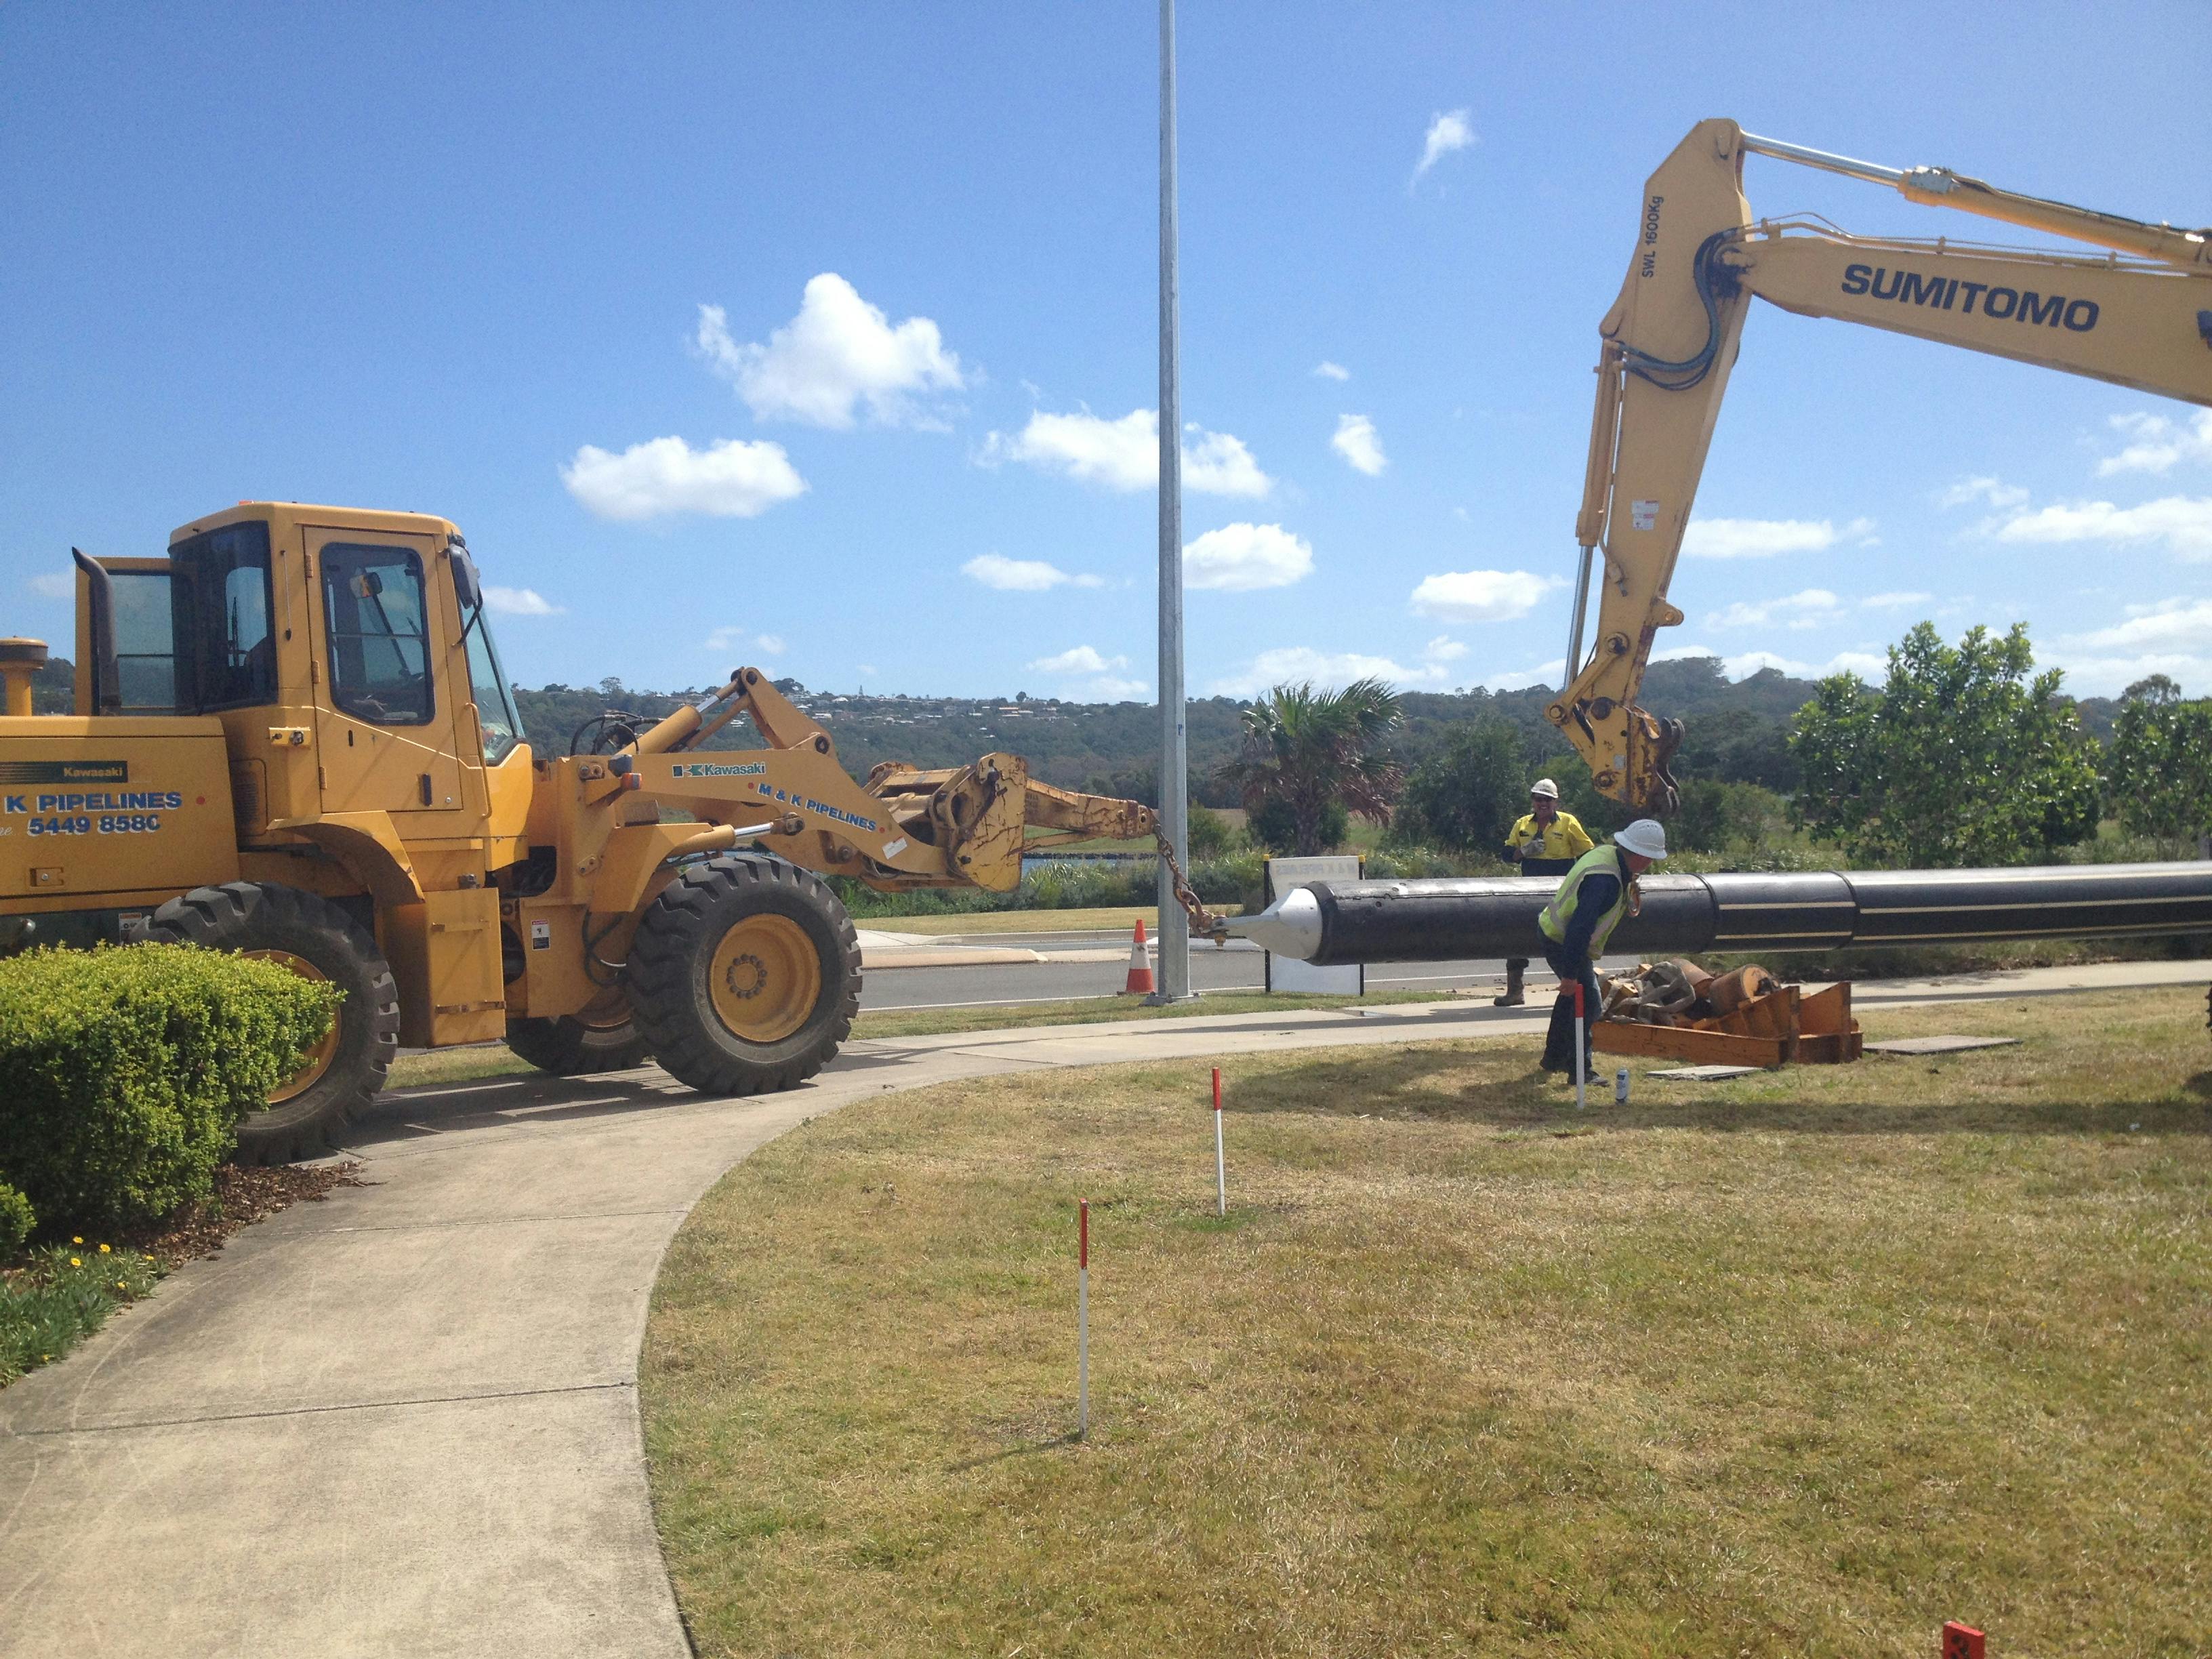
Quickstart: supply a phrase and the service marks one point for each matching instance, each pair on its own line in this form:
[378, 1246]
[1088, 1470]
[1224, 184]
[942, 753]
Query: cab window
[379, 648]
[145, 641]
[495, 710]
[225, 649]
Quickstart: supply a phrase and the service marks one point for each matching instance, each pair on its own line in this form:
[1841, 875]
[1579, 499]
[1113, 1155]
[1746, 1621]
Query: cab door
[385, 709]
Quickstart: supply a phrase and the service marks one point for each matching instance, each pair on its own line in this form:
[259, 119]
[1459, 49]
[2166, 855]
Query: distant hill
[1736, 728]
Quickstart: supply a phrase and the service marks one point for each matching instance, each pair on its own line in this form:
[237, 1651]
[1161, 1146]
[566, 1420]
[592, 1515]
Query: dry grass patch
[1801, 1364]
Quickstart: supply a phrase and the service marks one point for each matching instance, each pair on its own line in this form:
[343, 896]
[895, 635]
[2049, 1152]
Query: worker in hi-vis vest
[1597, 893]
[1543, 841]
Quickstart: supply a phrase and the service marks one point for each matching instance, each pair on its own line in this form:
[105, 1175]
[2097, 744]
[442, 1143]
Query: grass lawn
[1095, 1011]
[1800, 1364]
[484, 1059]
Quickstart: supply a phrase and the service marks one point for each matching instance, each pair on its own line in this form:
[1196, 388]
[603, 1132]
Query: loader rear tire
[572, 1046]
[744, 975]
[313, 937]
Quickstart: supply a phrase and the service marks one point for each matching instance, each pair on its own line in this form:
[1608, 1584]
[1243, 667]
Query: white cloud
[724, 640]
[2184, 624]
[837, 353]
[2155, 443]
[1357, 441]
[1442, 648]
[1078, 660]
[1328, 371]
[866, 669]
[1761, 539]
[1545, 674]
[1291, 665]
[53, 585]
[1219, 465]
[1108, 688]
[1893, 601]
[1480, 595]
[1241, 558]
[2182, 523]
[1743, 664]
[1808, 608]
[2172, 637]
[519, 602]
[1447, 132]
[1024, 575]
[1968, 491]
[2089, 675]
[732, 479]
[1125, 453]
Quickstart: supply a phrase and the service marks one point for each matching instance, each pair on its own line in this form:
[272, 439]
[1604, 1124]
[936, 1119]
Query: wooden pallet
[1785, 1025]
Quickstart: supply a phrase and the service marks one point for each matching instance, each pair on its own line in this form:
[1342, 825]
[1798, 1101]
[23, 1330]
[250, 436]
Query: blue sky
[821, 337]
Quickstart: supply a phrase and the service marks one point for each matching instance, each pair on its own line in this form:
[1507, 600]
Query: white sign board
[1288, 973]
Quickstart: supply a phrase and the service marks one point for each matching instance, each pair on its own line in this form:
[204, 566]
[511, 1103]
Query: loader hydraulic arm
[953, 827]
[2143, 320]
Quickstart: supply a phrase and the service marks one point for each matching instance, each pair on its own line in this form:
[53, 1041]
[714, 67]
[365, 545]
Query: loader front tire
[314, 939]
[744, 975]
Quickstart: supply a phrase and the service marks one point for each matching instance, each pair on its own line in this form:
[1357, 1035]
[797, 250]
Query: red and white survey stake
[1220, 1168]
[1083, 1319]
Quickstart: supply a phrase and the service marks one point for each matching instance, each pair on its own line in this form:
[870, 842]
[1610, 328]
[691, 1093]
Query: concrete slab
[1703, 1073]
[1939, 1045]
[404, 1421]
[418, 1529]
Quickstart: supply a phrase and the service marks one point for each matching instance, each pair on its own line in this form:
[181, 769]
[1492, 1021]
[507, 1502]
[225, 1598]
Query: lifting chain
[1204, 924]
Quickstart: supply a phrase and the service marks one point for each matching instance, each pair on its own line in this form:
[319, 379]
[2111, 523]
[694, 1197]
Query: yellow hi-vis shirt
[1560, 911]
[1565, 838]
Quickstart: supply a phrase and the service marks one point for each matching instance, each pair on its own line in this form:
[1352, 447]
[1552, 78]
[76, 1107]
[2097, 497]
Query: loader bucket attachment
[986, 816]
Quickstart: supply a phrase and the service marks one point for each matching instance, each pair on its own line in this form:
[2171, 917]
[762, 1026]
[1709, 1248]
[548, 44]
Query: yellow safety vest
[1565, 839]
[1598, 860]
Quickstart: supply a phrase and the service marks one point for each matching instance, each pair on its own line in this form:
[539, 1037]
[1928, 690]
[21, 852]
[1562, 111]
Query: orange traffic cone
[1140, 983]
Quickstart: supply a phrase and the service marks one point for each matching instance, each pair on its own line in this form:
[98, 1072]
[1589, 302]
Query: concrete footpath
[404, 1421]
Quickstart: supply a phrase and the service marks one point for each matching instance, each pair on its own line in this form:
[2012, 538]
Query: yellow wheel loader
[292, 739]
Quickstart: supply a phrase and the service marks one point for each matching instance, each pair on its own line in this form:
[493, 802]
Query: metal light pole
[1175, 794]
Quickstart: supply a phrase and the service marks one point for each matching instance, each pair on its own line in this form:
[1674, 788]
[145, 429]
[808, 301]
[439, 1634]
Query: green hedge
[125, 1071]
[16, 1219]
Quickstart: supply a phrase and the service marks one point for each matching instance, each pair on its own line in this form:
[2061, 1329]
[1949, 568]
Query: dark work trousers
[1518, 966]
[1559, 1039]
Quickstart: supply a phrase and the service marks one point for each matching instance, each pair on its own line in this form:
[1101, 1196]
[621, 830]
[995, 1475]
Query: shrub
[1210, 834]
[16, 1219]
[1466, 797]
[126, 1070]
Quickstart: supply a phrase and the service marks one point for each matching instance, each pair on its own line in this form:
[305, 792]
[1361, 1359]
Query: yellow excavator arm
[2139, 315]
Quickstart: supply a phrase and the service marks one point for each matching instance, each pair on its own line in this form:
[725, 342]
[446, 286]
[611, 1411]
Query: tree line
[1963, 756]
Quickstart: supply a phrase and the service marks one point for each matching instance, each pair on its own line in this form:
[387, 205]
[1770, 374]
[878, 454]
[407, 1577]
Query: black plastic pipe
[1349, 921]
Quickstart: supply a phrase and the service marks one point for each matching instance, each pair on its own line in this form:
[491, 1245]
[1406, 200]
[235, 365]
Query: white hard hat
[1646, 838]
[1544, 788]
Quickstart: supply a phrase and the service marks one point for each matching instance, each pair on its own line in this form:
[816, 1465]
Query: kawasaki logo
[702, 769]
[1912, 288]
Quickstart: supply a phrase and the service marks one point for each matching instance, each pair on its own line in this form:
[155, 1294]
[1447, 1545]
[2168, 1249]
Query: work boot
[1512, 997]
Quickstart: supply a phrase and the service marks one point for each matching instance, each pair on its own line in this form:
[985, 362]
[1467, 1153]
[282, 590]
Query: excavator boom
[2141, 316]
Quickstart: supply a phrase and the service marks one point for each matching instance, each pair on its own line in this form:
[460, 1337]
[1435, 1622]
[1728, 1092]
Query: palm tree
[1309, 750]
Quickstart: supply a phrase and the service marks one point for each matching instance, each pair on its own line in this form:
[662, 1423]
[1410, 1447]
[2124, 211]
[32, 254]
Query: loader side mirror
[467, 588]
[106, 678]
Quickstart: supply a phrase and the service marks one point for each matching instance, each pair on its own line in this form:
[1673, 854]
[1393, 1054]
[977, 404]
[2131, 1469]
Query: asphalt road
[1212, 968]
